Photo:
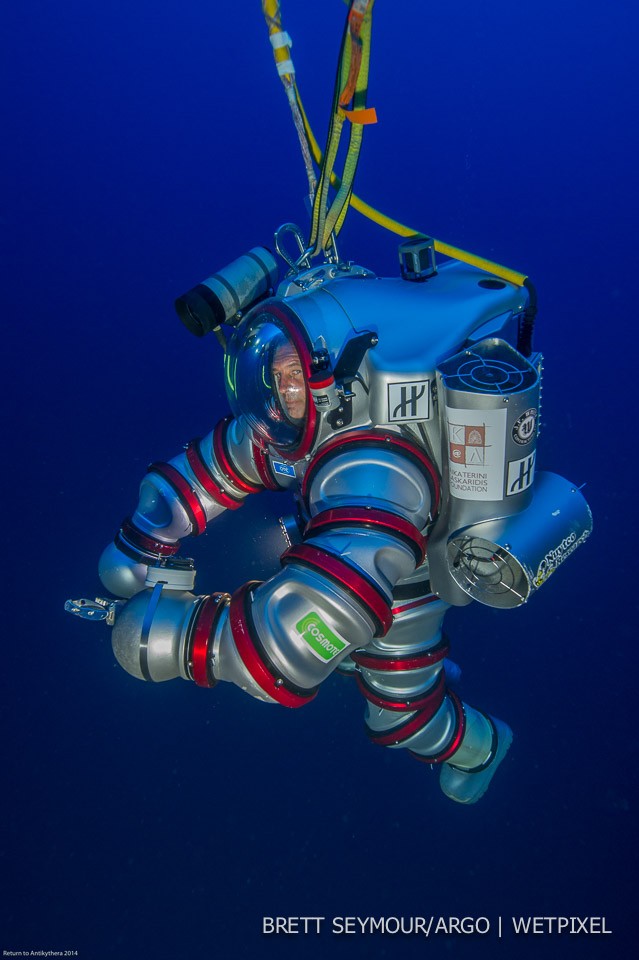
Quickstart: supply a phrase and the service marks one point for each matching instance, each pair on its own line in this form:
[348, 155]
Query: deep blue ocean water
[144, 146]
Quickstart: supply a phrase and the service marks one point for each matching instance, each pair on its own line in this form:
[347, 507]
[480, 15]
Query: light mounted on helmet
[225, 296]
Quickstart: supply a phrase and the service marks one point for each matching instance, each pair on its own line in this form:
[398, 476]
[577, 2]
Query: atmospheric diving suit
[404, 418]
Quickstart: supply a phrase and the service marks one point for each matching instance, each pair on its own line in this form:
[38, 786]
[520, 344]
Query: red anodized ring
[417, 661]
[142, 541]
[251, 658]
[404, 731]
[455, 743]
[207, 616]
[186, 495]
[382, 519]
[206, 481]
[433, 695]
[340, 570]
[413, 604]
[262, 467]
[225, 463]
[377, 436]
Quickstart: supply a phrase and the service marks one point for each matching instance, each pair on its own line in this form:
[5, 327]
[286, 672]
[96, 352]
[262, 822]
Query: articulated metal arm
[369, 503]
[178, 499]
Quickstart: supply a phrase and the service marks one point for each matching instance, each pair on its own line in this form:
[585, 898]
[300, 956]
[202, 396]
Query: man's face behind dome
[288, 377]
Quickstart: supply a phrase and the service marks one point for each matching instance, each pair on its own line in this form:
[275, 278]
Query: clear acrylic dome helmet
[267, 369]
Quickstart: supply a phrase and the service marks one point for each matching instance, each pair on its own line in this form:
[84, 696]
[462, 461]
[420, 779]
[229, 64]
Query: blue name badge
[285, 469]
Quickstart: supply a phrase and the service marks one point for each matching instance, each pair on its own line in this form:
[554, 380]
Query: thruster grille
[493, 367]
[487, 572]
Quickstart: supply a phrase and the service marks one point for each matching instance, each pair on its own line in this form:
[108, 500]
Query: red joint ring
[417, 661]
[251, 658]
[371, 517]
[454, 745]
[207, 616]
[263, 468]
[419, 702]
[142, 541]
[187, 497]
[205, 479]
[412, 604]
[365, 436]
[340, 570]
[225, 463]
[404, 731]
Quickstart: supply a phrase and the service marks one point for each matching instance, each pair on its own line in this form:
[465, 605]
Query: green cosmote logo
[320, 638]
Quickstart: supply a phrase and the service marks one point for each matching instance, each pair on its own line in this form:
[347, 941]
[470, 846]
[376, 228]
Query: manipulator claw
[98, 609]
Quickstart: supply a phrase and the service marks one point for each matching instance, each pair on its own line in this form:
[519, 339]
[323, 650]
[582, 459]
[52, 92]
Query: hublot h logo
[520, 475]
[408, 401]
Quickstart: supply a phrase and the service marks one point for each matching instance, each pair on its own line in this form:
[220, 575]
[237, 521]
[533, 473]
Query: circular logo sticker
[525, 428]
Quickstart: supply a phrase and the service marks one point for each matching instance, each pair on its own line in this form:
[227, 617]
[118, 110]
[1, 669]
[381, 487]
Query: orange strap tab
[363, 117]
[355, 21]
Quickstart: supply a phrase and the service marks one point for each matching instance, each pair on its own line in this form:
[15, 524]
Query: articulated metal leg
[410, 705]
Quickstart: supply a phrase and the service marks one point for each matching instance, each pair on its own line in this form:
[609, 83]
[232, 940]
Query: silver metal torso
[443, 369]
[433, 363]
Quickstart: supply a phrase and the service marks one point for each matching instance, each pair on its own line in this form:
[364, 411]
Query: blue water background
[145, 145]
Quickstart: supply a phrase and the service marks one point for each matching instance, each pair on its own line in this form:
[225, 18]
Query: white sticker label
[408, 401]
[520, 474]
[476, 453]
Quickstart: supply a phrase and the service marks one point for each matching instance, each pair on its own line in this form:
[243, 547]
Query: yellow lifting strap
[394, 226]
[351, 85]
[281, 43]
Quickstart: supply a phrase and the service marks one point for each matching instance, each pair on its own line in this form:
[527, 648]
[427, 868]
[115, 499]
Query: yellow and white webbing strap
[351, 85]
[282, 43]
